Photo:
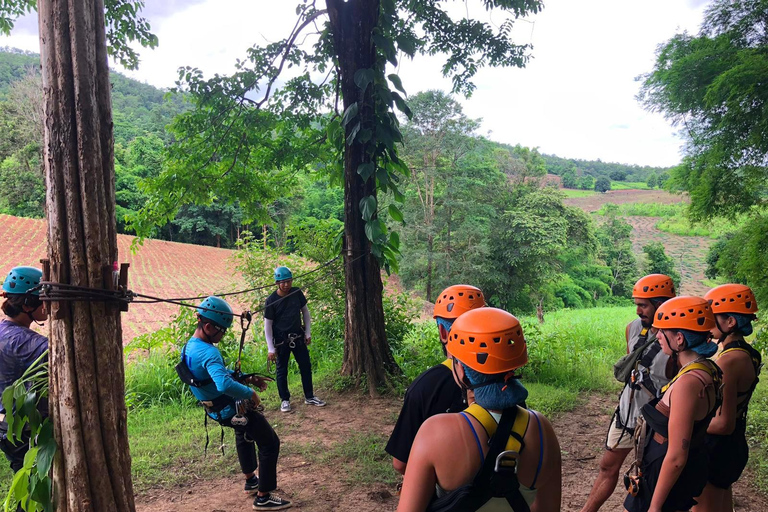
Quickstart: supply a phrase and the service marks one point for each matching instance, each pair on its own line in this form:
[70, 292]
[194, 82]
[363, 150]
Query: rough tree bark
[365, 343]
[87, 389]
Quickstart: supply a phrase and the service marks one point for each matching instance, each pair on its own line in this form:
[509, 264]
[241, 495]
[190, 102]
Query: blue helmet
[216, 310]
[282, 273]
[21, 280]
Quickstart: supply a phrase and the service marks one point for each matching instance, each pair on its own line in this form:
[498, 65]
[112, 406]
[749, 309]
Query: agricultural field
[594, 202]
[158, 268]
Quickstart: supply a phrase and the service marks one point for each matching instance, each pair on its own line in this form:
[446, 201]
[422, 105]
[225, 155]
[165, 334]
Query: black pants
[301, 354]
[15, 453]
[258, 431]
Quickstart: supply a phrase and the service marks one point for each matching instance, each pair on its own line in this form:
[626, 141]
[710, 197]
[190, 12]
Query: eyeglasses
[219, 330]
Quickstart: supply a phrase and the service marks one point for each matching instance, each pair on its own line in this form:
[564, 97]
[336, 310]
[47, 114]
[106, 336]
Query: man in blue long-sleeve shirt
[216, 388]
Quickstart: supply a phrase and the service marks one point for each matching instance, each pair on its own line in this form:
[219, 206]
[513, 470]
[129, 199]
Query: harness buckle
[506, 461]
[239, 421]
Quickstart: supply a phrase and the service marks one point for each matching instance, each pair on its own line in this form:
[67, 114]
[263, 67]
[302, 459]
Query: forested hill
[596, 168]
[138, 108]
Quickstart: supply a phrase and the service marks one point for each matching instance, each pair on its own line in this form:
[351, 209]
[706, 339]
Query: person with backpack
[231, 403]
[734, 306]
[646, 370]
[670, 467]
[20, 346]
[495, 455]
[285, 335]
[434, 391]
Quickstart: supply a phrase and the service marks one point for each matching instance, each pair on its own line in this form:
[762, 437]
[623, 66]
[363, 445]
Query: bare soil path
[318, 483]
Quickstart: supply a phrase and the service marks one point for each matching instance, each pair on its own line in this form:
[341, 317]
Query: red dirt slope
[159, 268]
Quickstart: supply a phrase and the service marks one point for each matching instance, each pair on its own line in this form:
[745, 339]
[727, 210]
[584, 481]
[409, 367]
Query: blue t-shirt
[19, 348]
[205, 361]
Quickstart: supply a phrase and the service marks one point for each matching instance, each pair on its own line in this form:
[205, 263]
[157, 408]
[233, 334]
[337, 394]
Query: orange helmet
[488, 340]
[654, 286]
[732, 298]
[685, 312]
[457, 300]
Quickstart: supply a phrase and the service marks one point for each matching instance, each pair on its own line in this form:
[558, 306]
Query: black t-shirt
[285, 313]
[433, 392]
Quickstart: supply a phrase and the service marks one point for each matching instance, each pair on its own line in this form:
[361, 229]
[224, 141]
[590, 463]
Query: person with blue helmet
[285, 334]
[20, 346]
[434, 391]
[232, 403]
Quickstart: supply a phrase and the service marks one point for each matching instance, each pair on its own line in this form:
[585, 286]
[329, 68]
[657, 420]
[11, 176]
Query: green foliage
[569, 179]
[602, 184]
[739, 257]
[657, 262]
[712, 84]
[31, 486]
[643, 209]
[615, 250]
[596, 168]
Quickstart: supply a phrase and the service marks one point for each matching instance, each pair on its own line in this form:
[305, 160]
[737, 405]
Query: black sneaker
[252, 485]
[270, 502]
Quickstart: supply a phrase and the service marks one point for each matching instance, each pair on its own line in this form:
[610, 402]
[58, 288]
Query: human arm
[419, 482]
[222, 378]
[307, 324]
[549, 483]
[268, 335]
[683, 403]
[724, 421]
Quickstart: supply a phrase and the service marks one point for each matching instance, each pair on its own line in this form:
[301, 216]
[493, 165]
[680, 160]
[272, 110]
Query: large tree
[335, 108]
[91, 471]
[712, 85]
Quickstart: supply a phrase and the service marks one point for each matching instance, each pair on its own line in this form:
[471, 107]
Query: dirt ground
[317, 488]
[595, 202]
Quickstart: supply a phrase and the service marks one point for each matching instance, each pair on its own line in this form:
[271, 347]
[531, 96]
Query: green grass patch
[644, 209]
[575, 349]
[713, 228]
[629, 185]
[757, 434]
[571, 192]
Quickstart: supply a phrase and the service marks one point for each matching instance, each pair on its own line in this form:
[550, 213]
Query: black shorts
[691, 483]
[728, 456]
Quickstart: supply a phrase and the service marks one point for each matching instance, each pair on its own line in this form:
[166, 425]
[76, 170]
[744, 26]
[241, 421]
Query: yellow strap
[447, 363]
[693, 366]
[644, 331]
[519, 427]
[754, 359]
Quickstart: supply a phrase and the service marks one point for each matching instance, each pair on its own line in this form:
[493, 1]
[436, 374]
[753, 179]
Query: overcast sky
[575, 99]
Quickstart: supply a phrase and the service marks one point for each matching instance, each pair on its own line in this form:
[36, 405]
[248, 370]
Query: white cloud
[576, 98]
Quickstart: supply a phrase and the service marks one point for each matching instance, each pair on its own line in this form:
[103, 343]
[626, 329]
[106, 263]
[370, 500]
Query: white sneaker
[285, 406]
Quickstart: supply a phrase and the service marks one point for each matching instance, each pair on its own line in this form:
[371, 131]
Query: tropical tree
[245, 131]
[602, 184]
[91, 471]
[657, 262]
[713, 86]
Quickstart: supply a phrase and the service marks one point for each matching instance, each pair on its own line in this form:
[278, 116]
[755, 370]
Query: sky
[574, 99]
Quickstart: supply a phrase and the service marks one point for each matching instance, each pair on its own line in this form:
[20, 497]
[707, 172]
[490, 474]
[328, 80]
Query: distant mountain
[138, 108]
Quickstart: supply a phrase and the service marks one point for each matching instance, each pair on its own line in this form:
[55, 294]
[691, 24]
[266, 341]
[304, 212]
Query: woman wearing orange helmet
[673, 468]
[734, 307]
[458, 457]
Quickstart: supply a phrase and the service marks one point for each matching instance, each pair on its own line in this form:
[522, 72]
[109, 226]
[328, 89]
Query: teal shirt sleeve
[222, 378]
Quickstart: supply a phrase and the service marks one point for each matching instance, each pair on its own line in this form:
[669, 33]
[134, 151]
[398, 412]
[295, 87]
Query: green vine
[32, 484]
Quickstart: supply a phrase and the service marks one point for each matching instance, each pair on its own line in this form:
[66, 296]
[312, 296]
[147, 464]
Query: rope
[51, 291]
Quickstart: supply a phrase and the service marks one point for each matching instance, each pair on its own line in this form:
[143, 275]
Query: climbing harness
[497, 476]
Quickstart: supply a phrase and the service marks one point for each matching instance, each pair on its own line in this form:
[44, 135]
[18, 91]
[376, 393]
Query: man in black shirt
[284, 332]
[434, 391]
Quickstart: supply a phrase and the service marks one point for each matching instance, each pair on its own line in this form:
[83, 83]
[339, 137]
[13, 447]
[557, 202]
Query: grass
[629, 185]
[645, 209]
[713, 228]
[570, 192]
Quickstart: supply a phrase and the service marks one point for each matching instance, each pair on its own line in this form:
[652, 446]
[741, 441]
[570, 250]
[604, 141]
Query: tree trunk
[430, 260]
[92, 469]
[366, 352]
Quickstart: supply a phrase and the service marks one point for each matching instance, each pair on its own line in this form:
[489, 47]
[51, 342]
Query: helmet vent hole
[449, 307]
[681, 315]
[674, 313]
[497, 340]
[482, 357]
[658, 317]
[645, 288]
[519, 332]
[471, 297]
[461, 341]
[510, 341]
[732, 300]
[738, 295]
[451, 297]
[483, 345]
[461, 294]
[700, 320]
[749, 304]
[471, 339]
[690, 310]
